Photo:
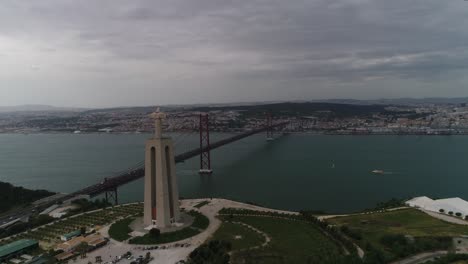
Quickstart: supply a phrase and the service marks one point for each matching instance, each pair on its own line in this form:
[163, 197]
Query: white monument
[161, 208]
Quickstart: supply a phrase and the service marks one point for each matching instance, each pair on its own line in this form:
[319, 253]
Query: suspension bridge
[109, 185]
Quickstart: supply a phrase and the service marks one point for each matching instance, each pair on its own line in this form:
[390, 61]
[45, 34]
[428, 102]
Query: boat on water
[378, 172]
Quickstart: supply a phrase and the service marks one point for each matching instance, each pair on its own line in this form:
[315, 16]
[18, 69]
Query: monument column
[161, 202]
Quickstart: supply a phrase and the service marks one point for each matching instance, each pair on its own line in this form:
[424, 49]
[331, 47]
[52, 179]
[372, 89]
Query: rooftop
[16, 246]
[72, 234]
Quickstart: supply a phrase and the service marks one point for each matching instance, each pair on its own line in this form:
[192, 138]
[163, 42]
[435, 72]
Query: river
[297, 171]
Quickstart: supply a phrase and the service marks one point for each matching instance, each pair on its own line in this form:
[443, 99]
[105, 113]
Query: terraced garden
[50, 234]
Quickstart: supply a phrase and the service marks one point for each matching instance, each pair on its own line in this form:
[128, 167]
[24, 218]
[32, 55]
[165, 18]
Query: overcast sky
[113, 53]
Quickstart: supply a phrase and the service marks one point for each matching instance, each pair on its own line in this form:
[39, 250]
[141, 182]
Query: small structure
[16, 248]
[93, 241]
[161, 203]
[70, 235]
[37, 260]
[451, 206]
[64, 256]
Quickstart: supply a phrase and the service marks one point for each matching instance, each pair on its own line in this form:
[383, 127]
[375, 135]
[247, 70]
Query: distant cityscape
[311, 117]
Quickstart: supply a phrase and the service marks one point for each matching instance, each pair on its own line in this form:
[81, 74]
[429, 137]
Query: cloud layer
[112, 52]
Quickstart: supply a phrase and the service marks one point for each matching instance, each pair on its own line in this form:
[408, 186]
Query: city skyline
[116, 53]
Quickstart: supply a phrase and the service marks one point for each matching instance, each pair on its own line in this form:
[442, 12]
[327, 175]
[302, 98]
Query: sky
[105, 53]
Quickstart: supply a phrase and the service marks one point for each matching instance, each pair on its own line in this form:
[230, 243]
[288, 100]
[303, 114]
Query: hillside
[302, 109]
[13, 196]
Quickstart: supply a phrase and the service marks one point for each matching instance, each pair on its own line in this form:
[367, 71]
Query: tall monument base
[161, 203]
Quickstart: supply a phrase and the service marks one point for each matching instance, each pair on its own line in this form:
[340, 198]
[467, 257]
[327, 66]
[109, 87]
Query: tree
[458, 214]
[442, 210]
[82, 248]
[154, 232]
[450, 213]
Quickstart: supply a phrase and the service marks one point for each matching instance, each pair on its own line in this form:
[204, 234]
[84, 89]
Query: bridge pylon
[269, 125]
[205, 157]
[111, 196]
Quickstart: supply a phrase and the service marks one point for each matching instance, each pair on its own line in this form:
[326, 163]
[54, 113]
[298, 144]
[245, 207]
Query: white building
[453, 205]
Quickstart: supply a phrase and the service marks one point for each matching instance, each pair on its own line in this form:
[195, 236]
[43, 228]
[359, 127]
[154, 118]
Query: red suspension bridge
[110, 185]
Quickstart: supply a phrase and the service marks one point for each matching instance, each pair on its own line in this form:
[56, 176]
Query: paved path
[172, 254]
[446, 218]
[324, 217]
[265, 235]
[421, 258]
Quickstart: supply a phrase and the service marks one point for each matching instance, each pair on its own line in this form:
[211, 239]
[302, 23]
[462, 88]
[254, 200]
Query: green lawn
[200, 222]
[292, 242]
[406, 221]
[120, 229]
[247, 238]
[201, 204]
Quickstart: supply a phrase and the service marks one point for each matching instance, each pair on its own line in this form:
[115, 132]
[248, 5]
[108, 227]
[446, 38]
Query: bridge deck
[132, 175]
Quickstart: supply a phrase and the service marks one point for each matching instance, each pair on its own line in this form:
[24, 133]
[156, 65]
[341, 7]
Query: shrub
[120, 229]
[450, 213]
[352, 233]
[458, 214]
[213, 252]
[154, 232]
[391, 240]
[442, 210]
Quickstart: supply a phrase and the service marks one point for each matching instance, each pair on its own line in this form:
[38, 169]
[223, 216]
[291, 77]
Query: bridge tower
[111, 196]
[269, 128]
[161, 203]
[205, 157]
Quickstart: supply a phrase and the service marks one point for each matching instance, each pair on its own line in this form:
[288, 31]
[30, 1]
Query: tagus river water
[300, 171]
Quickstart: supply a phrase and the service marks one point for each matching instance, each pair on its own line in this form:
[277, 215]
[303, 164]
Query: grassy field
[407, 222]
[239, 236]
[292, 242]
[120, 229]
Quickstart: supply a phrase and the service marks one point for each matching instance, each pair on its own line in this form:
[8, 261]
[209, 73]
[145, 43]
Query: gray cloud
[175, 51]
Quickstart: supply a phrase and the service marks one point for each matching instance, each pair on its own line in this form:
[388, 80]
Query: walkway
[324, 217]
[265, 235]
[171, 253]
[446, 218]
[421, 258]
